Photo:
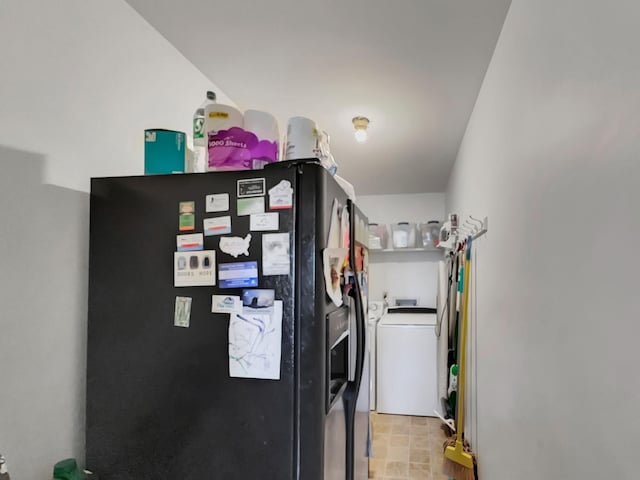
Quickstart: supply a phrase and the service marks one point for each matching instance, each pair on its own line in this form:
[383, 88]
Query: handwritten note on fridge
[255, 344]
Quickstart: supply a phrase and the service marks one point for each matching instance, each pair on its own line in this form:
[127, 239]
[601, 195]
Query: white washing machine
[376, 311]
[406, 363]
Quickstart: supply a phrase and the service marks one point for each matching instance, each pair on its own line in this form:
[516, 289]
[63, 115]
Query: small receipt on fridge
[182, 314]
[217, 202]
[275, 254]
[264, 222]
[226, 304]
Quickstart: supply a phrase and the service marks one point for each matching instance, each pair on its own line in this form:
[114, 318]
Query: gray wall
[551, 155]
[43, 293]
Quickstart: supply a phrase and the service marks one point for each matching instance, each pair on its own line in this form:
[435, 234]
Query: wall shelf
[400, 251]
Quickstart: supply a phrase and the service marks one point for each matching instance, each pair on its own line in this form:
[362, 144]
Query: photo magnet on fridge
[258, 300]
[251, 187]
[187, 217]
[217, 202]
[333, 265]
[194, 269]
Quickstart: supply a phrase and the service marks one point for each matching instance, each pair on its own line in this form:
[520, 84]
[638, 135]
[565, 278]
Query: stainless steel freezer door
[335, 444]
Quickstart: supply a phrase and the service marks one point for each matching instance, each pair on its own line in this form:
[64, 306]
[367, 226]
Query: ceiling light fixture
[360, 124]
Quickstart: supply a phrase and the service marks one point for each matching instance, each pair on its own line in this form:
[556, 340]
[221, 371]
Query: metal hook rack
[452, 231]
[482, 228]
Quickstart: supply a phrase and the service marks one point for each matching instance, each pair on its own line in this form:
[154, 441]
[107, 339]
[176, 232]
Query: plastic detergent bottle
[453, 379]
[199, 136]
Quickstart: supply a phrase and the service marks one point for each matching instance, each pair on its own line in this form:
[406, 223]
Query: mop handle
[463, 341]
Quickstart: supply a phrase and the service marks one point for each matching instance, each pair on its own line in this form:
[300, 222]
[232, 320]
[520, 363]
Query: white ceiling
[414, 67]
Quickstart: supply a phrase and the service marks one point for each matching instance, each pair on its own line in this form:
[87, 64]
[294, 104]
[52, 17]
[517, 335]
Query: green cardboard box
[164, 151]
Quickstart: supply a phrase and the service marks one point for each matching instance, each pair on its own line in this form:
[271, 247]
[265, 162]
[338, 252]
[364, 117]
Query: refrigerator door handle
[350, 395]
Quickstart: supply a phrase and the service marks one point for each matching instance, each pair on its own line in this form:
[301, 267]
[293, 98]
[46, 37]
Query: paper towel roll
[221, 117]
[303, 137]
[262, 124]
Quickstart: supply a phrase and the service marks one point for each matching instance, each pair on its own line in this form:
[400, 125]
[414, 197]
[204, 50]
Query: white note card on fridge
[255, 344]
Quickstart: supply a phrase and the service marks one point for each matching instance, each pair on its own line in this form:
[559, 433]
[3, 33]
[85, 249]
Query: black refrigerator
[161, 399]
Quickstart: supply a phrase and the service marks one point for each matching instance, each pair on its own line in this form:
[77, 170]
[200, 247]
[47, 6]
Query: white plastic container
[303, 139]
[430, 234]
[378, 237]
[403, 235]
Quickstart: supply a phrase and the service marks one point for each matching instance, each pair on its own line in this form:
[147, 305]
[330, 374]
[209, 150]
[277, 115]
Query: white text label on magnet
[194, 269]
[281, 196]
[236, 246]
[226, 304]
[264, 222]
[182, 313]
[251, 187]
[217, 226]
[217, 202]
[190, 242]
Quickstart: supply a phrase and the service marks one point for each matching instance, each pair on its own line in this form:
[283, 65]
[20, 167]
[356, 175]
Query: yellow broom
[458, 460]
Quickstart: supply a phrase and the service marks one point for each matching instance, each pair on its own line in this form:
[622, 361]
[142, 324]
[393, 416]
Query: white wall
[405, 274]
[80, 82]
[551, 155]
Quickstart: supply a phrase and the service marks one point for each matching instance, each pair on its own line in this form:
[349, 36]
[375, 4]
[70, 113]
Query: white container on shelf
[403, 235]
[429, 234]
[378, 236]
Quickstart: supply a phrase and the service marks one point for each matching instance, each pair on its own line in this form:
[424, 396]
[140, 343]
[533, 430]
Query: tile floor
[406, 448]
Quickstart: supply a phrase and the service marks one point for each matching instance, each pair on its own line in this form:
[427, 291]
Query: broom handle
[463, 341]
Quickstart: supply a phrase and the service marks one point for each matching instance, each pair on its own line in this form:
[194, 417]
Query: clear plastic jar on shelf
[378, 236]
[403, 235]
[430, 234]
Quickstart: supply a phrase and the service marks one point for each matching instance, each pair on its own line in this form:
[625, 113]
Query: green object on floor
[66, 470]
